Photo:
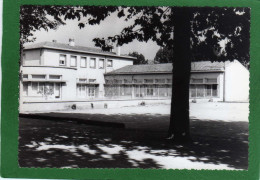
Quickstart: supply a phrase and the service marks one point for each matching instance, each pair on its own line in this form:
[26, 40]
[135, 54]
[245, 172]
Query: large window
[198, 90]
[92, 62]
[62, 61]
[101, 63]
[73, 61]
[83, 62]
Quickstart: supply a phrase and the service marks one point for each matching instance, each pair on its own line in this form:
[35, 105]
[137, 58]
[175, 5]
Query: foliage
[140, 59]
[164, 55]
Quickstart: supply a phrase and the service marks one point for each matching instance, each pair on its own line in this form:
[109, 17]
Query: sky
[83, 37]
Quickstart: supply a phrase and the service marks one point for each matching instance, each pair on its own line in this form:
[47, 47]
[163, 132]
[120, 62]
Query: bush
[74, 107]
[194, 101]
[142, 103]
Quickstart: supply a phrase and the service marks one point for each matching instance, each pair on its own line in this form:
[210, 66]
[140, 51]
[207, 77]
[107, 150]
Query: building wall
[46, 62]
[236, 82]
[68, 84]
[168, 80]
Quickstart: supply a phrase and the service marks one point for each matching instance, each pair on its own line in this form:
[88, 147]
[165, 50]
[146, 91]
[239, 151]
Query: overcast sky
[83, 37]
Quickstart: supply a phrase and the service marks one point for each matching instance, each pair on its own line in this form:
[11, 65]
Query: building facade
[64, 74]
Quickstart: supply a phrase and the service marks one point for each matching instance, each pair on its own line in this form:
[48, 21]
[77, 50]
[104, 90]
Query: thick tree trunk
[179, 120]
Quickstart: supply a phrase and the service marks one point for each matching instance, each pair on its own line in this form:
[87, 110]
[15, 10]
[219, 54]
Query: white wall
[236, 82]
[51, 58]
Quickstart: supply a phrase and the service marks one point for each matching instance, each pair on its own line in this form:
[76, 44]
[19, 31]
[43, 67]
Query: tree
[164, 55]
[216, 34]
[140, 59]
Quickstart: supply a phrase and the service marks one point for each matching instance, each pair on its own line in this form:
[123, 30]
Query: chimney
[71, 42]
[54, 40]
[118, 50]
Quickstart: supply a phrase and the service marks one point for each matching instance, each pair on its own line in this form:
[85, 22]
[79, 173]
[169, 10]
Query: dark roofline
[158, 72]
[81, 51]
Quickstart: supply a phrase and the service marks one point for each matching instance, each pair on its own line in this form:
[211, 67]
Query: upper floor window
[109, 63]
[83, 62]
[62, 60]
[101, 63]
[73, 61]
[92, 62]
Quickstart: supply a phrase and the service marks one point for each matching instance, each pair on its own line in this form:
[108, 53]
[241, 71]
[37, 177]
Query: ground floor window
[202, 90]
[42, 89]
[86, 90]
[138, 91]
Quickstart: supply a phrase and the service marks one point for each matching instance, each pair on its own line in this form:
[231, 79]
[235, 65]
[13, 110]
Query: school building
[55, 76]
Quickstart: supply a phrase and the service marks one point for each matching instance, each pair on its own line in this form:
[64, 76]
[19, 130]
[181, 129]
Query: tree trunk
[179, 120]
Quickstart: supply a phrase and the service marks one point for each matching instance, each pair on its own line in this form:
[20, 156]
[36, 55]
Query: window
[25, 76]
[109, 63]
[118, 81]
[54, 77]
[169, 81]
[82, 80]
[211, 80]
[83, 62]
[197, 81]
[92, 62]
[101, 64]
[127, 81]
[138, 81]
[73, 61]
[36, 76]
[25, 89]
[160, 80]
[149, 90]
[199, 90]
[92, 80]
[62, 60]
[148, 81]
[91, 91]
[81, 90]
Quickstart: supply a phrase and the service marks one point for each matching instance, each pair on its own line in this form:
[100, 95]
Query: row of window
[42, 89]
[138, 90]
[83, 62]
[41, 76]
[139, 81]
[203, 80]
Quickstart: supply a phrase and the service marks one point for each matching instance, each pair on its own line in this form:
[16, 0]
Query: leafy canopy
[217, 33]
[140, 59]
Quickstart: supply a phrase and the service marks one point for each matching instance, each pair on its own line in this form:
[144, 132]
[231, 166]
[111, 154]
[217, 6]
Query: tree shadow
[141, 144]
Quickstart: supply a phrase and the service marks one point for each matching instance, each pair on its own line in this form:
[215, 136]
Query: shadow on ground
[141, 144]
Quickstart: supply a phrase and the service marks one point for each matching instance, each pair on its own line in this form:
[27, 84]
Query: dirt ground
[219, 132]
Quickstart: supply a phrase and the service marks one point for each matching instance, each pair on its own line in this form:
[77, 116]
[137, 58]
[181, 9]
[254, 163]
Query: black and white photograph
[134, 87]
